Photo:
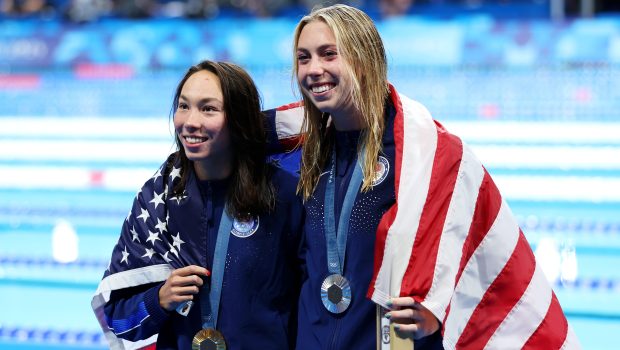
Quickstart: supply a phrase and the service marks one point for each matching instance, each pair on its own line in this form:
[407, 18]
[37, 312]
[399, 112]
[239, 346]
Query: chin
[193, 156]
[324, 107]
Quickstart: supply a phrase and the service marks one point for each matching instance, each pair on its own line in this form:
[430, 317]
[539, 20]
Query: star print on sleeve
[179, 198]
[153, 236]
[173, 250]
[125, 258]
[149, 253]
[144, 214]
[157, 199]
[161, 226]
[276, 162]
[134, 235]
[177, 241]
[146, 224]
[176, 172]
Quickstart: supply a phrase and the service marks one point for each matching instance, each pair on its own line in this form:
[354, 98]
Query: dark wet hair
[250, 191]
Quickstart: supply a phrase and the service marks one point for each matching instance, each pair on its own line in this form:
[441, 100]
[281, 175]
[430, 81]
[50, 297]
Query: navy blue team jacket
[261, 280]
[355, 327]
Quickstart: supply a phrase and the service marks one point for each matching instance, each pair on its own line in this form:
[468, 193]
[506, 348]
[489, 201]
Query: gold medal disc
[208, 339]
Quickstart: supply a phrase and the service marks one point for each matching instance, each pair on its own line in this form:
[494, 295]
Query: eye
[182, 105]
[330, 53]
[208, 108]
[302, 58]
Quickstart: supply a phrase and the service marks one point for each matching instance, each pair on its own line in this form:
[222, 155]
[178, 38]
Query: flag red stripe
[419, 274]
[552, 331]
[399, 130]
[382, 231]
[290, 143]
[487, 207]
[290, 106]
[388, 218]
[501, 296]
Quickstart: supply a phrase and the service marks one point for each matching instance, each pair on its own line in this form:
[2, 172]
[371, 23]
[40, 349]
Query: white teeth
[192, 139]
[321, 88]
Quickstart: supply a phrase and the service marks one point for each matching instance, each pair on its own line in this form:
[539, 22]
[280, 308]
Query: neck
[348, 122]
[208, 169]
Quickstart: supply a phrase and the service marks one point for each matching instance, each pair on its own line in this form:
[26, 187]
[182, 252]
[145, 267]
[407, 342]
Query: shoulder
[167, 172]
[285, 185]
[412, 109]
[284, 181]
[289, 205]
[417, 115]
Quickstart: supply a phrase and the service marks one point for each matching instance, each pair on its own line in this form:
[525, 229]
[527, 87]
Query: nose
[315, 67]
[193, 119]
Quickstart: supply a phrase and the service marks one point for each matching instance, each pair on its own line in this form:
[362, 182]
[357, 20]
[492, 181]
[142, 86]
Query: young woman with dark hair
[208, 252]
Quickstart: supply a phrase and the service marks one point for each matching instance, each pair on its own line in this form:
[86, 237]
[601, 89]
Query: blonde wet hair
[365, 67]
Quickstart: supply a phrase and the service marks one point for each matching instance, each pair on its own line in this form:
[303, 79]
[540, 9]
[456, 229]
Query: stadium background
[85, 97]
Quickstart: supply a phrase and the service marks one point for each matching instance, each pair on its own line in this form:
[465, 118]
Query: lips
[321, 88]
[190, 140]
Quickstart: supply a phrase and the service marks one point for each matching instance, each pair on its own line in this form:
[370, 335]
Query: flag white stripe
[132, 328]
[456, 227]
[571, 341]
[125, 279]
[288, 122]
[525, 317]
[132, 278]
[419, 146]
[480, 271]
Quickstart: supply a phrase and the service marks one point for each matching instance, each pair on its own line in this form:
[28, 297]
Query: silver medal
[336, 293]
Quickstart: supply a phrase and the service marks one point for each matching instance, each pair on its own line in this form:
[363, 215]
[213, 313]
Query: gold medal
[208, 339]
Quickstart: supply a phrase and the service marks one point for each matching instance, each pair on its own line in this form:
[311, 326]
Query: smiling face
[321, 71]
[200, 124]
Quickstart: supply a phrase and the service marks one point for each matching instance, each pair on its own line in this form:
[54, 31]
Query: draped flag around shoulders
[452, 244]
[146, 251]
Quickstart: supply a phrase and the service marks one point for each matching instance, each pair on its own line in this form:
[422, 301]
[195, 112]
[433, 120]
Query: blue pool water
[79, 177]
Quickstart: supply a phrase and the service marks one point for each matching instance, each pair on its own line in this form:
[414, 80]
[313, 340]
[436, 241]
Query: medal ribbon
[210, 296]
[337, 245]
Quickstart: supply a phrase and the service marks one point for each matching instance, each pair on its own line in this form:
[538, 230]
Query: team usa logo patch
[244, 229]
[382, 170]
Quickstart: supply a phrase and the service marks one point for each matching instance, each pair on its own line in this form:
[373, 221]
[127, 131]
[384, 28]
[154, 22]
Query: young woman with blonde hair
[400, 214]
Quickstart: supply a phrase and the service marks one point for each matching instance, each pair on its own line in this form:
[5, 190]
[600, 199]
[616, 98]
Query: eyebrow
[320, 48]
[202, 100]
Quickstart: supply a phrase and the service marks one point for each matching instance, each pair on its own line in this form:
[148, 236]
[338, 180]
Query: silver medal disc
[336, 293]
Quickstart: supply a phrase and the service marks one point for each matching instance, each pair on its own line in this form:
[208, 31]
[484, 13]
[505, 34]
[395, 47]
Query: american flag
[147, 249]
[452, 243]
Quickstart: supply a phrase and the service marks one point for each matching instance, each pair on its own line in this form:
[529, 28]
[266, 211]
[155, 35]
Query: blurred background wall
[86, 88]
